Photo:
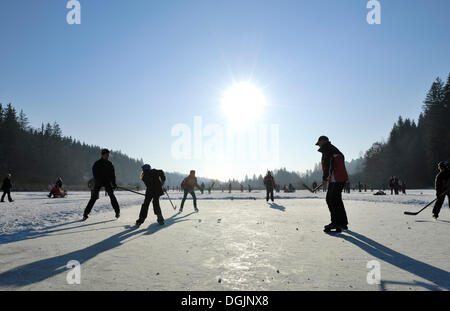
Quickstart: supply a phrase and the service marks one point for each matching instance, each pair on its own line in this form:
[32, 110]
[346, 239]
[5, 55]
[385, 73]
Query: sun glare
[243, 102]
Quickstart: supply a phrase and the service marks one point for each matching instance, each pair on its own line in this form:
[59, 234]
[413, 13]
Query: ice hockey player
[188, 185]
[335, 175]
[442, 186]
[56, 191]
[6, 188]
[104, 176]
[269, 183]
[154, 181]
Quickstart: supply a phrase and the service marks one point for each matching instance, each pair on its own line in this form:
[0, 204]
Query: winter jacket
[269, 182]
[333, 164]
[189, 183]
[442, 182]
[104, 173]
[59, 184]
[154, 180]
[7, 185]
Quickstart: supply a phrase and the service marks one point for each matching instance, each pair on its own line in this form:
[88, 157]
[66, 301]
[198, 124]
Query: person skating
[56, 190]
[335, 175]
[154, 180]
[230, 187]
[188, 185]
[104, 176]
[442, 186]
[269, 183]
[242, 188]
[6, 188]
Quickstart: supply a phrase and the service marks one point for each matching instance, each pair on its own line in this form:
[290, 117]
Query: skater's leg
[144, 209]
[271, 195]
[157, 210]
[330, 203]
[3, 196]
[112, 197]
[341, 215]
[438, 205]
[195, 200]
[94, 197]
[9, 196]
[267, 194]
[156, 206]
[184, 199]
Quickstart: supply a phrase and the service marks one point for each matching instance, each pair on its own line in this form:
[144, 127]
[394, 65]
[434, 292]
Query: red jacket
[333, 164]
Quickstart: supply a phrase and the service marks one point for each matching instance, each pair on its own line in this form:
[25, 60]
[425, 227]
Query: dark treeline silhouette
[413, 149]
[37, 157]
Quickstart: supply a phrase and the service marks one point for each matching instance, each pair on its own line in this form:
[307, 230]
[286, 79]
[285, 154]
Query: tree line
[37, 157]
[413, 149]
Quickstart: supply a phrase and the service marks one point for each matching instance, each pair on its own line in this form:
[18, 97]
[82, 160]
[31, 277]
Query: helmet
[443, 164]
[146, 167]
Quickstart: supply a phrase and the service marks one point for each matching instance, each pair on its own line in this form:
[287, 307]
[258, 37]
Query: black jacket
[59, 184]
[6, 186]
[442, 182]
[153, 180]
[104, 173]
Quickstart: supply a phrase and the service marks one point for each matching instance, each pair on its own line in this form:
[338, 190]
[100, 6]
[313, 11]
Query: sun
[243, 102]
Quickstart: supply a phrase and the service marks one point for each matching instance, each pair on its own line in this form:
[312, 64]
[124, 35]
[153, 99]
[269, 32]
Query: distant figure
[104, 176]
[153, 180]
[391, 184]
[291, 188]
[56, 191]
[359, 186]
[365, 188]
[242, 188]
[269, 183]
[347, 186]
[277, 188]
[396, 185]
[188, 185]
[6, 188]
[229, 187]
[403, 187]
[442, 186]
[202, 187]
[314, 186]
[210, 187]
[335, 174]
[249, 188]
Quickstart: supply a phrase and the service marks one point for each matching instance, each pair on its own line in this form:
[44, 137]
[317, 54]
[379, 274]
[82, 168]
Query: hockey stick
[174, 207]
[417, 213]
[130, 190]
[312, 190]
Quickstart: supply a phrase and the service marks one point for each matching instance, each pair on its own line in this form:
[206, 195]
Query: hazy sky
[133, 70]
